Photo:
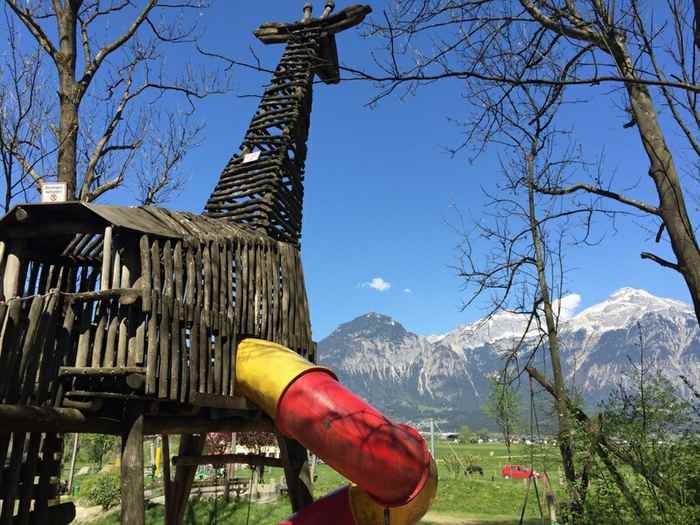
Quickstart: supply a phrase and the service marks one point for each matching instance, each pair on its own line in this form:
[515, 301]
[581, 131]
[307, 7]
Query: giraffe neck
[262, 185]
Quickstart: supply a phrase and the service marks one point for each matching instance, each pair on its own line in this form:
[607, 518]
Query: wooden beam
[227, 459]
[133, 508]
[23, 418]
[102, 371]
[202, 425]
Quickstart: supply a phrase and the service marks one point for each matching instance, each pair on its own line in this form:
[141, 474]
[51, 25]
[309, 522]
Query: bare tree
[644, 51]
[105, 61]
[522, 271]
[23, 112]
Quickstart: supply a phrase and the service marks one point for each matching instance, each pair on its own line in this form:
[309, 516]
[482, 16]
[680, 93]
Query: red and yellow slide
[389, 464]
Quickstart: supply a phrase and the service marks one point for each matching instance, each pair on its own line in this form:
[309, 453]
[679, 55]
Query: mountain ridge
[413, 376]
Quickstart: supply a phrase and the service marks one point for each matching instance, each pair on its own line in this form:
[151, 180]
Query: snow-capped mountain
[412, 376]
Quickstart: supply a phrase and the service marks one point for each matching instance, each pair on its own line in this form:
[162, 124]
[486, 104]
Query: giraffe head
[328, 24]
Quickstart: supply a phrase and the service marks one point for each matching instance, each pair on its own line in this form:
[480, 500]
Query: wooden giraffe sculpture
[126, 320]
[262, 185]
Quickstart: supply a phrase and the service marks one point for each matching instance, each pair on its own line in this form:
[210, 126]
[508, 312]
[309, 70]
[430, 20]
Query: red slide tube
[389, 461]
[335, 504]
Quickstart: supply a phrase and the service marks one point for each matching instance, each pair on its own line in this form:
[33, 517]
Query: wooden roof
[37, 220]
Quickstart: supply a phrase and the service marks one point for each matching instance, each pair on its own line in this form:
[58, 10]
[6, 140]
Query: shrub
[103, 489]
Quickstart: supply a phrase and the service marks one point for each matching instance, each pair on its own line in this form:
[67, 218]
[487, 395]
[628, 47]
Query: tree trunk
[564, 435]
[69, 98]
[662, 170]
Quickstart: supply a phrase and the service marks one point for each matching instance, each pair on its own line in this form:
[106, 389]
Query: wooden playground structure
[128, 320]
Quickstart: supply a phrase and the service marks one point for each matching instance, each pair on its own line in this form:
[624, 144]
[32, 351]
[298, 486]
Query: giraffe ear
[328, 69]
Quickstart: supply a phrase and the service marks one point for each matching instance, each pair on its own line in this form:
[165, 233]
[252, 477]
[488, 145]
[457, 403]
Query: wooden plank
[132, 482]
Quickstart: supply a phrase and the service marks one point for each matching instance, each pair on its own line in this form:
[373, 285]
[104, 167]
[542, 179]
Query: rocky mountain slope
[413, 377]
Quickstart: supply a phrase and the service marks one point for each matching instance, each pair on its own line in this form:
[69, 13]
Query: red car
[518, 472]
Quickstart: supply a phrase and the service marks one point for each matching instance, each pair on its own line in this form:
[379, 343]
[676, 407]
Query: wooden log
[133, 512]
[201, 425]
[146, 282]
[225, 327]
[125, 313]
[100, 372]
[13, 264]
[206, 267]
[178, 270]
[214, 253]
[251, 320]
[164, 340]
[190, 286]
[110, 358]
[204, 349]
[29, 418]
[167, 479]
[241, 301]
[106, 259]
[227, 459]
[175, 345]
[284, 315]
[152, 351]
[194, 360]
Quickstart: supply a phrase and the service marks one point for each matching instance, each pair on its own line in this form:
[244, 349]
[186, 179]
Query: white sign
[250, 157]
[53, 192]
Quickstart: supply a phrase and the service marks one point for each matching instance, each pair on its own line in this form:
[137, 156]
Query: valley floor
[461, 500]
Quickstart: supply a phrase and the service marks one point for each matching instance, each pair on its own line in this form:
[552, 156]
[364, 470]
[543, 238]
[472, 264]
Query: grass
[490, 500]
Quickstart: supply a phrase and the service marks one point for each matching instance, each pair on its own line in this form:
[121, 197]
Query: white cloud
[407, 290]
[569, 305]
[378, 284]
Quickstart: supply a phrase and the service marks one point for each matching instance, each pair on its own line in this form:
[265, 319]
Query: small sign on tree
[53, 192]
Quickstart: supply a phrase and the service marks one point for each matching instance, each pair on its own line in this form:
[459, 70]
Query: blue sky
[381, 190]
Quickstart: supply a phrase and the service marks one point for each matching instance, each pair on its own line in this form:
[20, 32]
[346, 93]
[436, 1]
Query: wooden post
[190, 445]
[133, 508]
[71, 472]
[167, 485]
[294, 459]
